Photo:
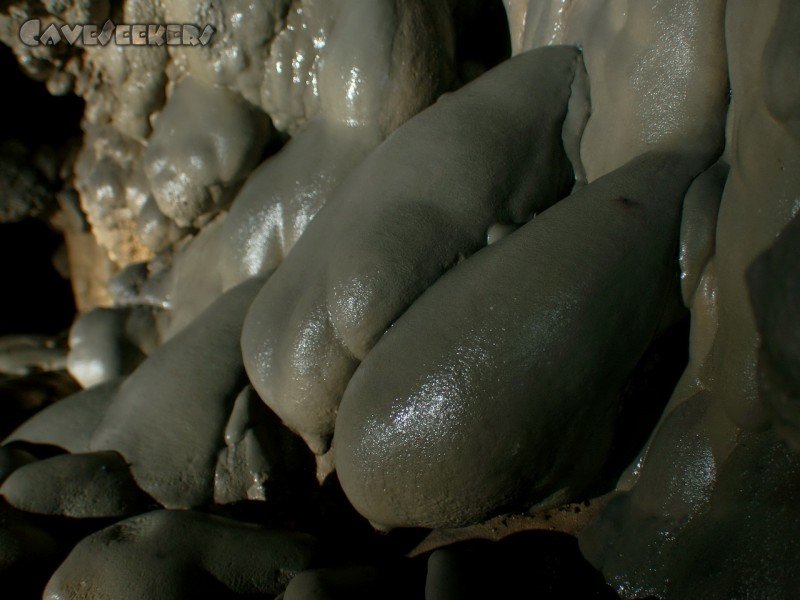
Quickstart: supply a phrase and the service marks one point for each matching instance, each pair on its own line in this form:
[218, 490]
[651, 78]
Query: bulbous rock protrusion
[101, 346]
[168, 418]
[69, 423]
[95, 485]
[397, 225]
[499, 387]
[171, 555]
[182, 162]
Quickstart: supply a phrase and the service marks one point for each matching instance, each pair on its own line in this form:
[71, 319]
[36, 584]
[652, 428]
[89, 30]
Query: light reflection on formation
[413, 329]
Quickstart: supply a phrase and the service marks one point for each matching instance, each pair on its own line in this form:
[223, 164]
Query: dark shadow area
[35, 298]
[644, 398]
[533, 564]
[482, 36]
[32, 114]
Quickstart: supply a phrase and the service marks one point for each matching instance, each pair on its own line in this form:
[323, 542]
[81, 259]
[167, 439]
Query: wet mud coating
[413, 299]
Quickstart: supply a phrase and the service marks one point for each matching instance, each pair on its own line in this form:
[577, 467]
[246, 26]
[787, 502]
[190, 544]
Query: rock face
[180, 554]
[679, 500]
[774, 282]
[657, 71]
[359, 69]
[261, 457]
[341, 232]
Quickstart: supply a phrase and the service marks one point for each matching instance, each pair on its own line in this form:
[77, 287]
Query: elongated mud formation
[395, 226]
[501, 326]
[450, 254]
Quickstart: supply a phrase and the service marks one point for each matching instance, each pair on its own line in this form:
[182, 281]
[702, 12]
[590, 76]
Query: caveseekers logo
[171, 34]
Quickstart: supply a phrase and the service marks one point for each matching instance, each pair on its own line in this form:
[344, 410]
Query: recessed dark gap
[483, 39]
[35, 299]
[33, 115]
[646, 395]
